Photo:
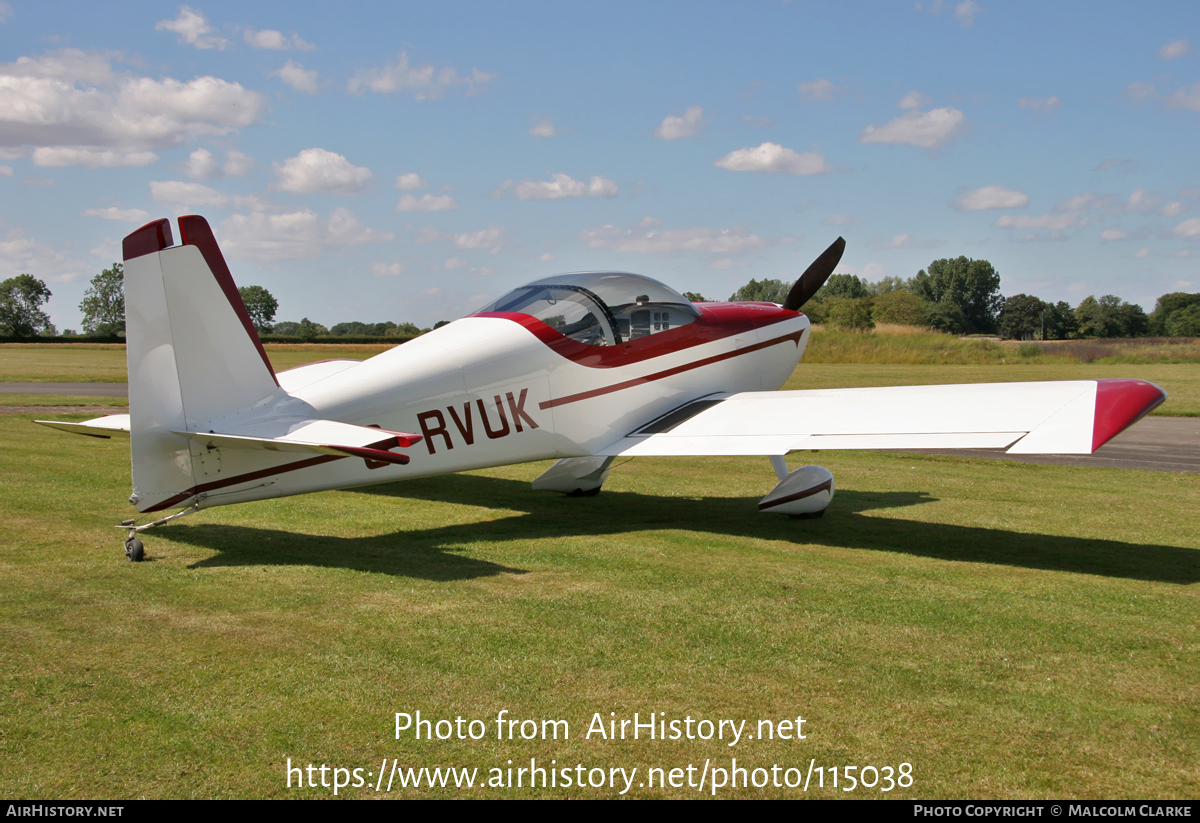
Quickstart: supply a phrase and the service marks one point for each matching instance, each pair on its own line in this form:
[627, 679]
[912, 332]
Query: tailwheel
[134, 550]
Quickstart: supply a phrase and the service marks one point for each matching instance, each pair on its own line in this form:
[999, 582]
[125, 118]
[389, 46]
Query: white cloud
[489, 240]
[1081, 202]
[6, 11]
[6, 171]
[275, 40]
[966, 11]
[819, 90]
[422, 82]
[772, 157]
[298, 77]
[428, 234]
[95, 158]
[674, 241]
[387, 269]
[903, 241]
[1188, 229]
[22, 254]
[1143, 252]
[1113, 163]
[236, 164]
[126, 215]
[196, 195]
[1044, 105]
[320, 170]
[648, 222]
[561, 186]
[1138, 92]
[192, 29]
[1185, 98]
[1109, 235]
[72, 99]
[546, 257]
[841, 220]
[913, 100]
[202, 164]
[1140, 201]
[13, 153]
[1176, 48]
[295, 235]
[991, 197]
[544, 127]
[426, 202]
[455, 263]
[871, 271]
[1174, 209]
[410, 181]
[926, 130]
[681, 127]
[1044, 221]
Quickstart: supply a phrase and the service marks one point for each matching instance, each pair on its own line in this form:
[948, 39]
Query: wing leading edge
[1063, 417]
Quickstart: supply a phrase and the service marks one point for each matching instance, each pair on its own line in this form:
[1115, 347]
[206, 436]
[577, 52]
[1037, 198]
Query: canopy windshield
[600, 308]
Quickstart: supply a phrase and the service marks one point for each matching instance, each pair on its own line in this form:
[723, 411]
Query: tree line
[103, 308]
[962, 296]
[959, 296]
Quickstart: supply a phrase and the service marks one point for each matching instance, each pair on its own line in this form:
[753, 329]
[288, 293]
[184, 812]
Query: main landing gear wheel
[134, 550]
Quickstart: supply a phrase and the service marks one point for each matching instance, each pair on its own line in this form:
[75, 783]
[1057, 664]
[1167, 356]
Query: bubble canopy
[600, 308]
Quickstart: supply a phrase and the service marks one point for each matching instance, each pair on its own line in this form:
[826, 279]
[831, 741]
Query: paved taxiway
[1164, 444]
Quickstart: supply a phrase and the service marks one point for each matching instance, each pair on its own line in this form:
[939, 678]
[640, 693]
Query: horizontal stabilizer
[319, 436]
[112, 425]
[1066, 417]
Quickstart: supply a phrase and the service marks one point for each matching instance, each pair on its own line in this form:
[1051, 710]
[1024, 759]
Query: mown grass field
[1011, 630]
[896, 357]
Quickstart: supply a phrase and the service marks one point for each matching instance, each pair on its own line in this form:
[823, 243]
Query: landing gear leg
[135, 550]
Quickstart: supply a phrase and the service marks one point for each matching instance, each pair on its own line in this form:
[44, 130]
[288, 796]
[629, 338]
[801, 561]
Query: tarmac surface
[1163, 444]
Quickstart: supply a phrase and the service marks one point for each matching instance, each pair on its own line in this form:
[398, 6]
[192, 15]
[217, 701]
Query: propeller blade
[815, 276]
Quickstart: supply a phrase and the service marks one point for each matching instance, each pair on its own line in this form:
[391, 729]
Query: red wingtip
[1121, 402]
[152, 237]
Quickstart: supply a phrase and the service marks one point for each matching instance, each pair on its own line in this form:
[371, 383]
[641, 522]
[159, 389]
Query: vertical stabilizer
[192, 352]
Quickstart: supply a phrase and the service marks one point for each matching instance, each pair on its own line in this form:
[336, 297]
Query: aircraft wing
[304, 435]
[1065, 417]
[111, 425]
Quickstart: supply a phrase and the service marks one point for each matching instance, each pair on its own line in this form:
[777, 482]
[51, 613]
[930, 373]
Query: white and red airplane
[579, 367]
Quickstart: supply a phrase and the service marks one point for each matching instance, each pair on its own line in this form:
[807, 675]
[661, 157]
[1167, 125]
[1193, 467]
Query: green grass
[1012, 630]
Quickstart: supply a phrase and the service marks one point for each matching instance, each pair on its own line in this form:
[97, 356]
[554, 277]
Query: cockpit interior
[600, 308]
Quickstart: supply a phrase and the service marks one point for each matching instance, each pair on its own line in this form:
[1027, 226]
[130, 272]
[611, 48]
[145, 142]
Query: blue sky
[410, 162]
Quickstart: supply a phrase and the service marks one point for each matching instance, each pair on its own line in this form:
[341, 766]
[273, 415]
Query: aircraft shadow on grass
[430, 554]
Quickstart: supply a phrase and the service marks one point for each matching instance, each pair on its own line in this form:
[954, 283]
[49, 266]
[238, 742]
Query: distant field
[1009, 630]
[61, 363]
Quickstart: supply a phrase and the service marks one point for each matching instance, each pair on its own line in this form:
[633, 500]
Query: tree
[971, 286]
[103, 303]
[899, 306]
[769, 291]
[1184, 322]
[842, 285]
[261, 307]
[21, 300]
[1166, 307]
[696, 297]
[1021, 318]
[849, 313]
[1060, 321]
[310, 330]
[1110, 316]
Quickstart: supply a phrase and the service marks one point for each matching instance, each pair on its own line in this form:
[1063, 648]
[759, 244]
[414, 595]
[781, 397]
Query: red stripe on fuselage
[637, 381]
